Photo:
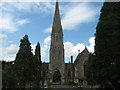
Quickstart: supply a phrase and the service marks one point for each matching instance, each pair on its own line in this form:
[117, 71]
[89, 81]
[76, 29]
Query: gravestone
[85, 85]
[27, 85]
[45, 84]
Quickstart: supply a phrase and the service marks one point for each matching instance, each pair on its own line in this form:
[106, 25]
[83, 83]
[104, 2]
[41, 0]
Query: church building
[57, 70]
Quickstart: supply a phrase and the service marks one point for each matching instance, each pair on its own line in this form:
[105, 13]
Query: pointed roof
[86, 49]
[57, 27]
[80, 55]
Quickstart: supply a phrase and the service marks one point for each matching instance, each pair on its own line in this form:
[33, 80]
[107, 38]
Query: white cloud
[28, 7]
[71, 50]
[7, 24]
[10, 24]
[78, 14]
[78, 46]
[8, 53]
[33, 46]
[11, 49]
[44, 50]
[23, 21]
[92, 44]
[44, 7]
[23, 7]
[9, 59]
[47, 40]
[68, 49]
[46, 46]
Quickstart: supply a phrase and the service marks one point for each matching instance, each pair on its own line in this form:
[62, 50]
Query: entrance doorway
[57, 76]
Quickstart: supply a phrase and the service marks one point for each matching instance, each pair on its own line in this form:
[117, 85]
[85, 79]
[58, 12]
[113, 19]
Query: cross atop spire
[57, 27]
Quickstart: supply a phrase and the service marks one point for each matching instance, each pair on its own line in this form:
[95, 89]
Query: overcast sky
[79, 20]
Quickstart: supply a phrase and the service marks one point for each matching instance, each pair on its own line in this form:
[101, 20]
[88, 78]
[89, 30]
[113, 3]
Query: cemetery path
[61, 87]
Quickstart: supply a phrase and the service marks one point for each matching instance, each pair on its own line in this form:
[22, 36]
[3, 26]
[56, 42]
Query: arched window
[59, 52]
[54, 51]
[85, 65]
[69, 73]
[56, 38]
[43, 74]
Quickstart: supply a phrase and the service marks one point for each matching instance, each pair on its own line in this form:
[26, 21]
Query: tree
[91, 69]
[24, 63]
[8, 80]
[37, 52]
[37, 62]
[107, 46]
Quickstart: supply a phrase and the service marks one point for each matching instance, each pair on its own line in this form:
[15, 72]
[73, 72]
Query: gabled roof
[80, 55]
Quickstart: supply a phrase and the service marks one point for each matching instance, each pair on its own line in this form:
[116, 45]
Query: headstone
[85, 84]
[27, 85]
[45, 84]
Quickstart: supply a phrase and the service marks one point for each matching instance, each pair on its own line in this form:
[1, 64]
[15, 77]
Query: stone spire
[57, 27]
[57, 47]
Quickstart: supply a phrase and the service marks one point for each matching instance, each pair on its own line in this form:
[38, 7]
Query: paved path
[61, 87]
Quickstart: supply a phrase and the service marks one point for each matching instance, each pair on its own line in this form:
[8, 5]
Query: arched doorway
[57, 76]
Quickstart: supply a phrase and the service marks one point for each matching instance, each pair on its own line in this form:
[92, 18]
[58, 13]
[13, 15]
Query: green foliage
[91, 69]
[37, 61]
[8, 80]
[24, 63]
[25, 69]
[107, 56]
[37, 52]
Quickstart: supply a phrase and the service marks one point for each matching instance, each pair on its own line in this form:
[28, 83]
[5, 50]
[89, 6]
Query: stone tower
[57, 48]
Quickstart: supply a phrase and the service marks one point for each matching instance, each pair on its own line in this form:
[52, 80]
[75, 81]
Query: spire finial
[56, 3]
